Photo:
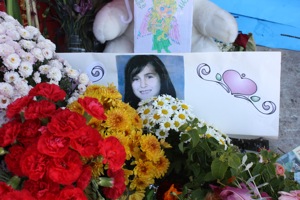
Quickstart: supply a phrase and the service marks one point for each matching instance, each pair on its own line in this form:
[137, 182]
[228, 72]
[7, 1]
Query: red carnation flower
[50, 91]
[87, 144]
[14, 108]
[65, 170]
[40, 109]
[93, 107]
[4, 188]
[12, 159]
[71, 193]
[18, 195]
[42, 190]
[113, 152]
[53, 145]
[30, 132]
[9, 132]
[67, 123]
[242, 40]
[85, 177]
[33, 163]
[118, 187]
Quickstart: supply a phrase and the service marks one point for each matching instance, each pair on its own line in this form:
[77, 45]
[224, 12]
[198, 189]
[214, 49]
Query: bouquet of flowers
[145, 158]
[26, 59]
[205, 161]
[76, 18]
[51, 152]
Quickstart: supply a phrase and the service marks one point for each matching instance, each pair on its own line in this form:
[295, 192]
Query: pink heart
[238, 84]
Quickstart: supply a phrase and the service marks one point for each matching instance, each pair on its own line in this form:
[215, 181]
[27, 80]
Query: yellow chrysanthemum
[161, 166]
[139, 155]
[151, 146]
[97, 168]
[140, 183]
[76, 107]
[96, 124]
[117, 119]
[103, 92]
[144, 169]
[138, 195]
[127, 174]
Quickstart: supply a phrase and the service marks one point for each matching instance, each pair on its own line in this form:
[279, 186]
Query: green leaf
[218, 168]
[234, 161]
[198, 194]
[195, 137]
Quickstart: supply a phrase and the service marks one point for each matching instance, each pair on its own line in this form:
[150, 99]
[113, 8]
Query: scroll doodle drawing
[160, 22]
[97, 73]
[239, 86]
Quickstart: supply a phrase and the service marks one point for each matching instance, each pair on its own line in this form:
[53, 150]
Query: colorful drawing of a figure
[161, 23]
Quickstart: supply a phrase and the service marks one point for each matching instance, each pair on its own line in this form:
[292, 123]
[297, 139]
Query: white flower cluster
[27, 58]
[164, 113]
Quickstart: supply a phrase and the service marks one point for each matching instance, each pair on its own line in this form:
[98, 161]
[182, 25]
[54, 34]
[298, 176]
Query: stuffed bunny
[113, 24]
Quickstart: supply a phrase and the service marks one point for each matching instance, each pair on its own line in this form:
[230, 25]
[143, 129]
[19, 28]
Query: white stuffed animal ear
[212, 21]
[111, 21]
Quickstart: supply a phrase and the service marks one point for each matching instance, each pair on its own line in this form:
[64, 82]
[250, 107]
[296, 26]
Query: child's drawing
[160, 22]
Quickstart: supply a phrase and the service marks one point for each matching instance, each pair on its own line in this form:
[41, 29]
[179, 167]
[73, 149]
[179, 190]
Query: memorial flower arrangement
[51, 152]
[76, 19]
[204, 162]
[26, 59]
[146, 161]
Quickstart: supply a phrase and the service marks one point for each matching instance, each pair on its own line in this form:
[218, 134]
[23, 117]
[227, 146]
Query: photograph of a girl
[146, 76]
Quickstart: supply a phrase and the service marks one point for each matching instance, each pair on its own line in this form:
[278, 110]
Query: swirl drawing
[97, 72]
[239, 86]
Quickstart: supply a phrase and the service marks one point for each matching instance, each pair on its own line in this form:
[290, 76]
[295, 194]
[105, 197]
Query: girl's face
[146, 84]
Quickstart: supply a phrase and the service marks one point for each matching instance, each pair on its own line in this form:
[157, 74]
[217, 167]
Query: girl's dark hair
[135, 65]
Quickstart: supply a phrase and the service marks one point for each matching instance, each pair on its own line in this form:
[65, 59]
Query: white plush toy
[113, 24]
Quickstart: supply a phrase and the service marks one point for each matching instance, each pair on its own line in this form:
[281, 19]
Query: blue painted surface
[274, 23]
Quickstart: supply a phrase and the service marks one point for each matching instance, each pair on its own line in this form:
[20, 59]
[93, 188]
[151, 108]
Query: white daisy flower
[72, 73]
[12, 61]
[25, 33]
[166, 125]
[22, 87]
[27, 44]
[46, 44]
[6, 50]
[54, 74]
[25, 69]
[38, 54]
[13, 34]
[81, 88]
[4, 102]
[53, 82]
[6, 89]
[83, 79]
[11, 76]
[47, 53]
[56, 63]
[29, 57]
[44, 69]
[4, 38]
[37, 77]
[160, 134]
[33, 31]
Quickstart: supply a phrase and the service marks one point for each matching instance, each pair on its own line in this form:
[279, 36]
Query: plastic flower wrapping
[27, 58]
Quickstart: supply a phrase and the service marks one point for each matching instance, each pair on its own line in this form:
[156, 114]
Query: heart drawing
[238, 84]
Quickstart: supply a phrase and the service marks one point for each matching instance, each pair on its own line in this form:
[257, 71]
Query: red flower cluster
[46, 145]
